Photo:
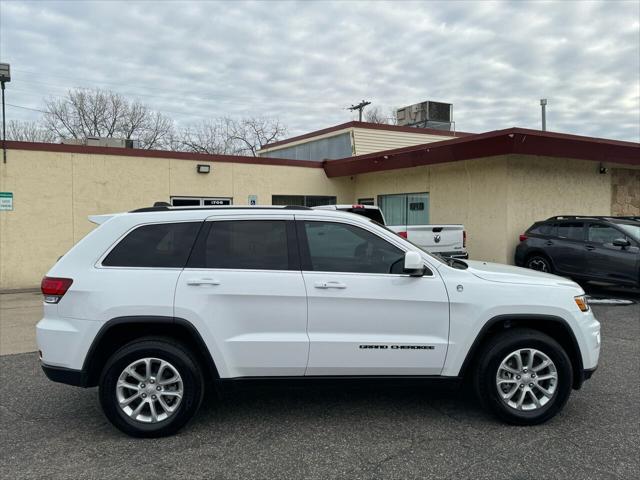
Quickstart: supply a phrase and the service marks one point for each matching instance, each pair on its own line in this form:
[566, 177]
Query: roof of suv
[629, 220]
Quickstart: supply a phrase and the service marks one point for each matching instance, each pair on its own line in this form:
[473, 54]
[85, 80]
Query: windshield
[631, 230]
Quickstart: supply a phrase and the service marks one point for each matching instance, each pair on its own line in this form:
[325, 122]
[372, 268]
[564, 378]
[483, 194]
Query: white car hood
[497, 272]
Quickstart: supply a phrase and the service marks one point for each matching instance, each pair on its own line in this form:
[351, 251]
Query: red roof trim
[501, 142]
[134, 152]
[370, 126]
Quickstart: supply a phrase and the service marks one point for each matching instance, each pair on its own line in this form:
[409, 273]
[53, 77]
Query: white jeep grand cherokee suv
[154, 304]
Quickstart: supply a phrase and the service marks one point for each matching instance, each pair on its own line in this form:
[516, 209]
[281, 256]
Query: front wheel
[151, 387]
[540, 263]
[524, 377]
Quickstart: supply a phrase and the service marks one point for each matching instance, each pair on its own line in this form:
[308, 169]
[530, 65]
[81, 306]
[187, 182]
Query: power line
[26, 108]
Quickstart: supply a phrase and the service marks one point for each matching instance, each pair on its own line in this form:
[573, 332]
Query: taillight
[403, 234]
[54, 289]
[464, 239]
[357, 206]
[523, 237]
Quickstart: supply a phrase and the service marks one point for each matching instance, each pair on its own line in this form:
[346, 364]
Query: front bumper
[585, 375]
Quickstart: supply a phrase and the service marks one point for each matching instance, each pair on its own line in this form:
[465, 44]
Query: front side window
[243, 244]
[604, 234]
[163, 245]
[571, 230]
[338, 247]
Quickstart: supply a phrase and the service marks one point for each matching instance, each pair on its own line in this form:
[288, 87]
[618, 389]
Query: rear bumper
[77, 378]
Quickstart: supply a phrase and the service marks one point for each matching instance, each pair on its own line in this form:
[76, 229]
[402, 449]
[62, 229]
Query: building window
[303, 200]
[405, 209]
[366, 201]
[331, 148]
[200, 201]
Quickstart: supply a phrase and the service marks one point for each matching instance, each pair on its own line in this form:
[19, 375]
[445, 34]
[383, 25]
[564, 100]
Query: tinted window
[543, 229]
[603, 234]
[244, 244]
[337, 247]
[571, 230]
[162, 245]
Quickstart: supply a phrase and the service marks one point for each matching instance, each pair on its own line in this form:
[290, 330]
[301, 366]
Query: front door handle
[330, 285]
[590, 247]
[202, 281]
[549, 243]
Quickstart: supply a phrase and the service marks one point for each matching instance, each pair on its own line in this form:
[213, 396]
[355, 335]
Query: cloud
[305, 62]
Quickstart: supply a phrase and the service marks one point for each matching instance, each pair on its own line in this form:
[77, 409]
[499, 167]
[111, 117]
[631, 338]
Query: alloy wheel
[526, 379]
[149, 390]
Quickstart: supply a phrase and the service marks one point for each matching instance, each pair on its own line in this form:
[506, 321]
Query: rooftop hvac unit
[427, 114]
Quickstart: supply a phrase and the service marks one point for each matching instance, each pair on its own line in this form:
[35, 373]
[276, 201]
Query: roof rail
[613, 217]
[158, 207]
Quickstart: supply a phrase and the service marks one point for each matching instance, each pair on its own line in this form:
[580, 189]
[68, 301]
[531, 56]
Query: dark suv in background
[603, 249]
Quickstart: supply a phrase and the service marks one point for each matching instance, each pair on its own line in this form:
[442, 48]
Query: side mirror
[413, 264]
[621, 242]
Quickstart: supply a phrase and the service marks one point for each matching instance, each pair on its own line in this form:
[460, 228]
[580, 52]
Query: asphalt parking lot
[54, 431]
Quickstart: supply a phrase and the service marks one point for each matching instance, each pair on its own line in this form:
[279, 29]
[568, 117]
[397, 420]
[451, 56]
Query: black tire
[161, 348]
[486, 371]
[539, 262]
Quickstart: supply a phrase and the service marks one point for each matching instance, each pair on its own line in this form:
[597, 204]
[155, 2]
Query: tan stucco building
[496, 184]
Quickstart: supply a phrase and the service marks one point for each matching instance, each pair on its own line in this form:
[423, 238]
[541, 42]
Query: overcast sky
[305, 62]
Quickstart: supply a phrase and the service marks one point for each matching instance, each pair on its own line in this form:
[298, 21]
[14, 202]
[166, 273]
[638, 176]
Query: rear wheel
[151, 387]
[524, 377]
[540, 263]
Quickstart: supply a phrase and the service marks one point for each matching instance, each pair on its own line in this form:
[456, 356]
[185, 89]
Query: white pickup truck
[445, 240]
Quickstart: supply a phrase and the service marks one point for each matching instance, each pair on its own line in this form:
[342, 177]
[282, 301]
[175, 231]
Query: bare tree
[29, 131]
[251, 134]
[233, 137]
[102, 113]
[376, 115]
[210, 136]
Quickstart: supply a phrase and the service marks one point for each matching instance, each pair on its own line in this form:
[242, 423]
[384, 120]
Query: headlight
[582, 303]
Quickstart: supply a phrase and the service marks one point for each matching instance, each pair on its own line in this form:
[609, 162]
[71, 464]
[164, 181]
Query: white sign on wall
[6, 200]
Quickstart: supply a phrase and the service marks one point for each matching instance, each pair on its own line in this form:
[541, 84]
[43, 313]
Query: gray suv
[604, 249]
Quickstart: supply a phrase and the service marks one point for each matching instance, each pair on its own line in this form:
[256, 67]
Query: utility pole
[5, 76]
[360, 108]
[543, 105]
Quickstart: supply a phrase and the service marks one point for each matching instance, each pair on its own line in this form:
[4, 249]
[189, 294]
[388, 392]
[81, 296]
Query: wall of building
[496, 198]
[625, 191]
[54, 193]
[542, 187]
[472, 192]
[368, 140]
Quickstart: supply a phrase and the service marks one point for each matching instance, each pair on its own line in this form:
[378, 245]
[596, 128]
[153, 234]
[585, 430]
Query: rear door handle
[330, 285]
[549, 242]
[589, 247]
[202, 281]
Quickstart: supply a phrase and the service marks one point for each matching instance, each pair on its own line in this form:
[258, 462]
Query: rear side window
[548, 229]
[244, 244]
[571, 230]
[163, 245]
